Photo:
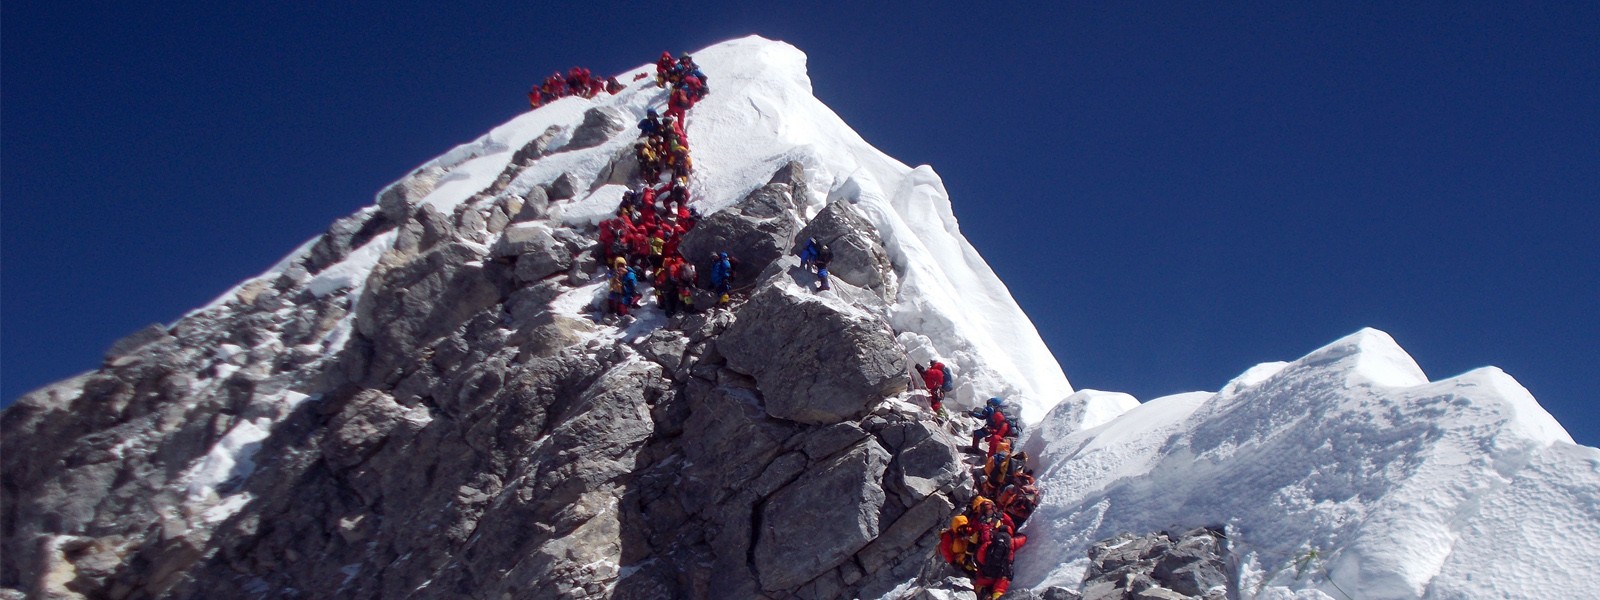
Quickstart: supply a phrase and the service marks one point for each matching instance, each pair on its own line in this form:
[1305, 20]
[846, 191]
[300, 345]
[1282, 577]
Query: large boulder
[834, 363]
[537, 252]
[599, 125]
[398, 200]
[822, 519]
[858, 256]
[756, 231]
[343, 236]
[1158, 567]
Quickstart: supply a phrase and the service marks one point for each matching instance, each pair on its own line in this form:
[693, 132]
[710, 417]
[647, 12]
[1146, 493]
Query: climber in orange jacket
[957, 543]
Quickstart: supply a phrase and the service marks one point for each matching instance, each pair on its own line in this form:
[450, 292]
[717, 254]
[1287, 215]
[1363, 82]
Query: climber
[658, 247]
[999, 433]
[678, 103]
[808, 253]
[1019, 499]
[666, 285]
[555, 86]
[650, 124]
[722, 277]
[686, 284]
[984, 414]
[649, 165]
[608, 234]
[664, 68]
[986, 518]
[824, 256]
[686, 64]
[957, 542]
[682, 163]
[933, 378]
[578, 81]
[622, 286]
[996, 473]
[533, 97]
[995, 558]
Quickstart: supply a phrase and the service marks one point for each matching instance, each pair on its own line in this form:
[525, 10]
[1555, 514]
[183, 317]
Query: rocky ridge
[449, 425]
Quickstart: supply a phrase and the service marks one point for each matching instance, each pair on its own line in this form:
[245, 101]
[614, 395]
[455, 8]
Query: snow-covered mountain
[423, 403]
[1346, 473]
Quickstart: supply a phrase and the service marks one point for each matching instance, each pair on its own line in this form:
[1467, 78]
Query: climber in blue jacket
[722, 277]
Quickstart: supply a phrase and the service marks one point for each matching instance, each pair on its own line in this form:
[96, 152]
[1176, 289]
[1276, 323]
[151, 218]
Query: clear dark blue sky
[1174, 191]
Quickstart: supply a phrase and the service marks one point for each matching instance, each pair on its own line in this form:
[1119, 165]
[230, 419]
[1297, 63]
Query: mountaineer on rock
[995, 559]
[824, 256]
[808, 253]
[623, 284]
[957, 544]
[722, 277]
[933, 378]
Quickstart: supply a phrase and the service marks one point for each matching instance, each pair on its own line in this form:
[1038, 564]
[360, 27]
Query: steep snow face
[760, 116]
[1346, 473]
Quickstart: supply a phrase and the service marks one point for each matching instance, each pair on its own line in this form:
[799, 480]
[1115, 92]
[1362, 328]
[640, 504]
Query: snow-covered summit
[761, 115]
[1344, 473]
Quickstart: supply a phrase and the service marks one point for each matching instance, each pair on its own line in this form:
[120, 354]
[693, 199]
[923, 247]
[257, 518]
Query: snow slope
[760, 116]
[1343, 474]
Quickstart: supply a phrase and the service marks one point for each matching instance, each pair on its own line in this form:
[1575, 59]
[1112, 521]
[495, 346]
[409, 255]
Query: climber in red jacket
[995, 557]
[933, 379]
[664, 66]
[678, 104]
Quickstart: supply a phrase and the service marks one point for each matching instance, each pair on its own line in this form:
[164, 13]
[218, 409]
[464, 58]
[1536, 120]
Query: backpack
[997, 555]
[949, 380]
[1013, 418]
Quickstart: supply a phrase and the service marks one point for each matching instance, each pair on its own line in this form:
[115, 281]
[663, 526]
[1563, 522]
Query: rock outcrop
[451, 426]
[757, 231]
[833, 364]
[1191, 566]
[858, 254]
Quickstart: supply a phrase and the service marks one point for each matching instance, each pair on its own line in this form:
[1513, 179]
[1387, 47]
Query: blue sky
[1173, 191]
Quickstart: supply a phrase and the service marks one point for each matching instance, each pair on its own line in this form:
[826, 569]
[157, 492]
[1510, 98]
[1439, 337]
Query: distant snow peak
[1345, 471]
[1374, 356]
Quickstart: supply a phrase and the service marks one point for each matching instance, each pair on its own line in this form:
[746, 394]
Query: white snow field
[760, 116]
[1345, 474]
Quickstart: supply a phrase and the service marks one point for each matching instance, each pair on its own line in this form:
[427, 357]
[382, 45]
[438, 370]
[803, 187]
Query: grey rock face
[832, 366]
[344, 235]
[127, 345]
[599, 124]
[397, 201]
[1158, 567]
[408, 306]
[563, 188]
[756, 231]
[535, 148]
[535, 206]
[836, 507]
[858, 256]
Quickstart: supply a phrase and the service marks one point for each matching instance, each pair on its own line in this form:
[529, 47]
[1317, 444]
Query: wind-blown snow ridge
[760, 116]
[1402, 488]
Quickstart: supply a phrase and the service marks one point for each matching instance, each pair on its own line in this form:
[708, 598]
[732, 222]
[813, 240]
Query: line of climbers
[983, 540]
[577, 82]
[639, 245]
